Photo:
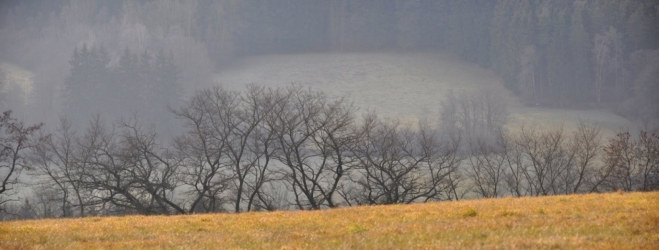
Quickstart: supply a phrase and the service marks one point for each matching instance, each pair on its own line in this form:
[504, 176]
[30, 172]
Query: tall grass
[593, 221]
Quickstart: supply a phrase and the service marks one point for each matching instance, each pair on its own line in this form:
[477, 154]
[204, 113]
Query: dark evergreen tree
[139, 83]
[556, 57]
[127, 80]
[465, 28]
[87, 85]
[511, 32]
[578, 66]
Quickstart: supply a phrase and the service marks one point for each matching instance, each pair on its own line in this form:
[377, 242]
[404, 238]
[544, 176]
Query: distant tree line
[294, 148]
[143, 83]
[551, 53]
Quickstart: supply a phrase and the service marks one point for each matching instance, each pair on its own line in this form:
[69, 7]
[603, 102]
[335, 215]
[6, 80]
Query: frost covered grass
[402, 86]
[593, 221]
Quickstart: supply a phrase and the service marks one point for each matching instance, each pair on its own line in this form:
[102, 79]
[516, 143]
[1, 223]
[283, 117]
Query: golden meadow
[592, 221]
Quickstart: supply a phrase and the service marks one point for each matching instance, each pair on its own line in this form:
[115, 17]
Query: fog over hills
[568, 54]
[199, 106]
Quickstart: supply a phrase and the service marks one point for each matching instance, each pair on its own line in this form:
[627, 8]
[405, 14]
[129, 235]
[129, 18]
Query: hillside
[399, 85]
[593, 221]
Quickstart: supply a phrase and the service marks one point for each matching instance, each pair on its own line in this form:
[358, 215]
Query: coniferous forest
[550, 53]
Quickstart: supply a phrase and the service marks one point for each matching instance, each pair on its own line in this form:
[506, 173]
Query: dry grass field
[593, 221]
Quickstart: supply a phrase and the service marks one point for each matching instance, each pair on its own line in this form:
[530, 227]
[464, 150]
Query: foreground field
[595, 221]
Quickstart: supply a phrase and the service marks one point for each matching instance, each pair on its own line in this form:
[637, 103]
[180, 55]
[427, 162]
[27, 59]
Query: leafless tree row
[399, 164]
[631, 163]
[537, 162]
[292, 148]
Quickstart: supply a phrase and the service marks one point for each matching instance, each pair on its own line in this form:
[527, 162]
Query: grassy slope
[397, 85]
[595, 221]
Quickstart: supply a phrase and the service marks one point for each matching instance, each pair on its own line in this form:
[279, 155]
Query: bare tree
[539, 162]
[444, 165]
[295, 128]
[250, 143]
[620, 158]
[487, 168]
[127, 170]
[649, 161]
[16, 139]
[586, 146]
[389, 164]
[203, 148]
[234, 138]
[262, 147]
[548, 160]
[632, 164]
[314, 137]
[400, 165]
[153, 168]
[334, 141]
[516, 169]
[55, 159]
[228, 144]
[106, 173]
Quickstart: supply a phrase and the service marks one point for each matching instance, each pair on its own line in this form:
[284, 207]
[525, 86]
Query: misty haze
[151, 107]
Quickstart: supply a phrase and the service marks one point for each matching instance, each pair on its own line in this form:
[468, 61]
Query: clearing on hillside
[406, 86]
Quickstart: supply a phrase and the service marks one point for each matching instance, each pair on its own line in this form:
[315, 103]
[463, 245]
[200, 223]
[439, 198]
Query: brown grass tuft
[470, 213]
